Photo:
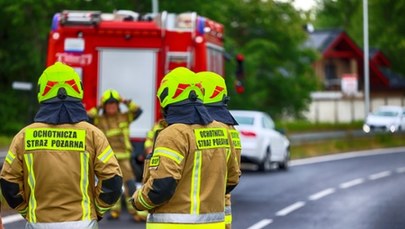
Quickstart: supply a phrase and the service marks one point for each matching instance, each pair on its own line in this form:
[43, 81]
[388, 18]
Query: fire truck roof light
[80, 17]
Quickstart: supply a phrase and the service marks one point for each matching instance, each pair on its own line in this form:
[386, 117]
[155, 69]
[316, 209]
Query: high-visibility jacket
[189, 172]
[61, 176]
[116, 128]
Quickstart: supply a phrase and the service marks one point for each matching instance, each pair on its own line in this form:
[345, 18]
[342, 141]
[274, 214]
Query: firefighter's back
[202, 185]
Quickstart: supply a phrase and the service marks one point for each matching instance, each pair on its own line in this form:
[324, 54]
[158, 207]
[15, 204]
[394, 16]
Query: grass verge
[333, 146]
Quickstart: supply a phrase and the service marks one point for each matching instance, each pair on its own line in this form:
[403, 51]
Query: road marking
[348, 155]
[290, 208]
[376, 176]
[11, 218]
[261, 224]
[321, 194]
[351, 183]
[400, 170]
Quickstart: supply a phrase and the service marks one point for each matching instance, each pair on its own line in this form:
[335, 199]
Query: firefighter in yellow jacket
[53, 164]
[115, 125]
[216, 101]
[187, 177]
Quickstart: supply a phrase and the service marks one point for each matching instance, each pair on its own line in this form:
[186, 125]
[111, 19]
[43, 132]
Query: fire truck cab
[131, 53]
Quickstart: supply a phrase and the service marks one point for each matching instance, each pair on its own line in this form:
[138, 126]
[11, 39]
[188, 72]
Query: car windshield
[386, 113]
[244, 120]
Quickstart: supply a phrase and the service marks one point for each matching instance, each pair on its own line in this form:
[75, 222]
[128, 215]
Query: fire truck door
[132, 72]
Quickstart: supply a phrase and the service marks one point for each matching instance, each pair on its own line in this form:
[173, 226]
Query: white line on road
[11, 218]
[262, 223]
[351, 183]
[379, 175]
[321, 194]
[400, 170]
[290, 208]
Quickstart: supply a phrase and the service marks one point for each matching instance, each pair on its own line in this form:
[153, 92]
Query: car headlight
[366, 128]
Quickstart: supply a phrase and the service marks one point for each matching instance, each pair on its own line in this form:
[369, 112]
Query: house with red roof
[341, 56]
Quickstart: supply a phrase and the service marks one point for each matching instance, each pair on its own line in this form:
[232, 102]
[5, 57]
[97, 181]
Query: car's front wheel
[265, 165]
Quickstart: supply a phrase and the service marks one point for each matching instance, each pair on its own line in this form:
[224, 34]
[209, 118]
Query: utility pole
[155, 6]
[366, 61]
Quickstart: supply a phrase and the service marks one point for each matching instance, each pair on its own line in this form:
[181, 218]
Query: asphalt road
[361, 191]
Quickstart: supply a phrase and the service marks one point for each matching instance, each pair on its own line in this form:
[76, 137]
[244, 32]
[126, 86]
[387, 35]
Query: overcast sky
[302, 4]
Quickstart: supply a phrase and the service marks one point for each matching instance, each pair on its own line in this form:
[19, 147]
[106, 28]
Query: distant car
[261, 143]
[385, 118]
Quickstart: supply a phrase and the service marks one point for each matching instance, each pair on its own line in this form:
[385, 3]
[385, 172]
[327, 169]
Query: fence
[333, 107]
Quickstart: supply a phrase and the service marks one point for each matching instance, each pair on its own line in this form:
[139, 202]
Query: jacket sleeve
[233, 166]
[165, 169]
[12, 177]
[108, 173]
[134, 111]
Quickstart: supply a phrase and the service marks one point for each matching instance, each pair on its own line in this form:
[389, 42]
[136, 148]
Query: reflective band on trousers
[186, 218]
[228, 215]
[86, 224]
[220, 225]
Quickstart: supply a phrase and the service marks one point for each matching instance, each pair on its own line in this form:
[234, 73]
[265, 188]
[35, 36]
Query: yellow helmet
[179, 85]
[214, 87]
[60, 82]
[110, 95]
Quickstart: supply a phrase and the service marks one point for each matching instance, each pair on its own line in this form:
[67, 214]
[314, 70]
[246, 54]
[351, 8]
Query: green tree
[386, 30]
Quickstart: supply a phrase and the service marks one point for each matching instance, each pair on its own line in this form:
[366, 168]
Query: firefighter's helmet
[179, 86]
[59, 82]
[109, 96]
[214, 87]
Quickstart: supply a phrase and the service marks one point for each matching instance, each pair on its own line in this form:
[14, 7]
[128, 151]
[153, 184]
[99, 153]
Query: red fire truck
[130, 52]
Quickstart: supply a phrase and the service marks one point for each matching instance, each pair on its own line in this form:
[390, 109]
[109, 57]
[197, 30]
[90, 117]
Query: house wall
[342, 66]
[340, 109]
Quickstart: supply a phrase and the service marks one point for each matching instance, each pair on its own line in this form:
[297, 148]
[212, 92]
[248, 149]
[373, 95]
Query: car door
[274, 138]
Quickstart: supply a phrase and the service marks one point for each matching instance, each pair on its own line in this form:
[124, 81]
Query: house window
[331, 79]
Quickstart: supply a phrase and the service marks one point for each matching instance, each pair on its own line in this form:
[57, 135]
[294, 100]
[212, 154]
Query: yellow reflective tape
[122, 155]
[123, 124]
[143, 202]
[84, 185]
[55, 139]
[23, 212]
[113, 132]
[32, 203]
[169, 153]
[209, 138]
[215, 225]
[228, 219]
[101, 210]
[228, 154]
[195, 184]
[106, 154]
[10, 157]
[235, 139]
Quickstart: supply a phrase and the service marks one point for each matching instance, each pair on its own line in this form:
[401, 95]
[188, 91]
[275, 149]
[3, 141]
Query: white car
[385, 118]
[261, 143]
